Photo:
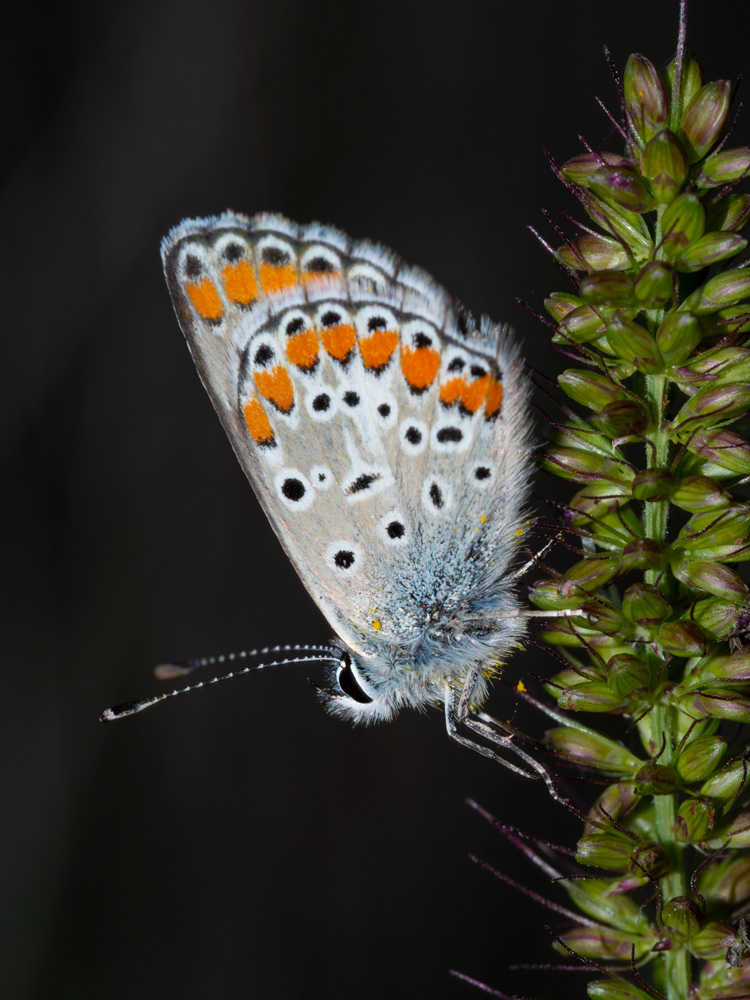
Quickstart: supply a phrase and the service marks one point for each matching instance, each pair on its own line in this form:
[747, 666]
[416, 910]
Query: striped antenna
[327, 654]
[166, 671]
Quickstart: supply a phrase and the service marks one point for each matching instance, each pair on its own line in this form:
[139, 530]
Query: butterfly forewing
[384, 433]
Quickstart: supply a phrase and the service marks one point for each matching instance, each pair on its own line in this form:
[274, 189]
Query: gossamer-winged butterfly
[387, 437]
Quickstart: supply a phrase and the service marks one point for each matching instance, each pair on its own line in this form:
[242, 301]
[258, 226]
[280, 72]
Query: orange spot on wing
[420, 366]
[339, 340]
[377, 349]
[309, 276]
[205, 298]
[494, 398]
[451, 390]
[240, 282]
[257, 421]
[302, 349]
[276, 386]
[473, 395]
[275, 279]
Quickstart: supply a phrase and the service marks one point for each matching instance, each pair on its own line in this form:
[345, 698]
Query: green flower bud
[590, 696]
[606, 943]
[682, 638]
[653, 485]
[734, 832]
[578, 169]
[713, 578]
[682, 918]
[718, 619]
[692, 78]
[545, 595]
[730, 666]
[700, 758]
[727, 882]
[733, 319]
[613, 989]
[645, 98]
[615, 801]
[642, 554]
[695, 820]
[678, 336]
[631, 341]
[653, 284]
[712, 941]
[698, 494]
[627, 673]
[621, 186]
[590, 389]
[589, 574]
[590, 749]
[719, 703]
[710, 249]
[605, 850]
[644, 605]
[682, 223]
[724, 449]
[594, 253]
[724, 167]
[665, 166]
[726, 786]
[715, 401]
[605, 287]
[703, 120]
[720, 535]
[724, 290]
[602, 617]
[584, 466]
[730, 213]
[655, 779]
[595, 500]
[650, 859]
[560, 304]
[581, 325]
[622, 419]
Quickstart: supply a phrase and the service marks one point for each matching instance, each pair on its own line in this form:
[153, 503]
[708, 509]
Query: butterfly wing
[384, 433]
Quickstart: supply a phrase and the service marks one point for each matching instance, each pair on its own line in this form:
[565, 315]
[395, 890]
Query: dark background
[241, 843]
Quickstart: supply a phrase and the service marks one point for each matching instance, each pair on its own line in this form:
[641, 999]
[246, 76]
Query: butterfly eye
[349, 682]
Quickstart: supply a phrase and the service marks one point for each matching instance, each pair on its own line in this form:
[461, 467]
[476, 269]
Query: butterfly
[386, 434]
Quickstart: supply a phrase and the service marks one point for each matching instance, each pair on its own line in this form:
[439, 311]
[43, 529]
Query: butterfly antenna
[133, 707]
[167, 671]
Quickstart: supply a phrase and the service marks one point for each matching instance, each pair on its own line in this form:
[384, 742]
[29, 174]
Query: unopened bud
[560, 304]
[665, 166]
[603, 617]
[606, 943]
[631, 341]
[579, 169]
[614, 989]
[581, 325]
[642, 554]
[703, 119]
[726, 786]
[627, 673]
[712, 536]
[584, 466]
[713, 578]
[698, 494]
[653, 485]
[594, 253]
[605, 850]
[715, 401]
[695, 819]
[588, 575]
[722, 448]
[712, 941]
[589, 749]
[717, 618]
[692, 78]
[621, 186]
[656, 779]
[645, 98]
[729, 666]
[730, 213]
[719, 703]
[677, 337]
[590, 388]
[591, 696]
[727, 882]
[682, 638]
[724, 290]
[682, 918]
[724, 167]
[700, 758]
[649, 859]
[653, 284]
[710, 249]
[644, 605]
[683, 222]
[606, 287]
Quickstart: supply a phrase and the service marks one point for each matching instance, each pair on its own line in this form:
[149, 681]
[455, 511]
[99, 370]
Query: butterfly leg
[493, 732]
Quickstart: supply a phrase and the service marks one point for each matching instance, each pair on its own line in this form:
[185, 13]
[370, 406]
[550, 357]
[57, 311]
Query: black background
[241, 843]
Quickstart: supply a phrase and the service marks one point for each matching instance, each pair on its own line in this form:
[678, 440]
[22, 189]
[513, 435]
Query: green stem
[663, 716]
